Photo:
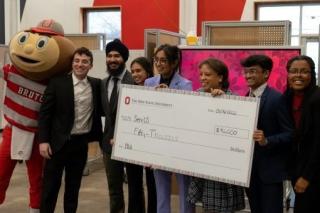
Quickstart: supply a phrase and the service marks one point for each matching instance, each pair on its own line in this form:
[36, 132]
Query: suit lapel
[175, 81]
[93, 89]
[263, 99]
[127, 79]
[70, 91]
[103, 95]
[156, 80]
[106, 95]
[107, 91]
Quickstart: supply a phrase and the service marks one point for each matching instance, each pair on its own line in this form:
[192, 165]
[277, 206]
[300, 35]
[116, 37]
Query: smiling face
[164, 67]
[30, 51]
[299, 75]
[209, 78]
[39, 56]
[115, 62]
[139, 74]
[255, 76]
[81, 65]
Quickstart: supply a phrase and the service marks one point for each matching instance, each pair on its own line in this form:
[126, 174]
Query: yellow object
[192, 38]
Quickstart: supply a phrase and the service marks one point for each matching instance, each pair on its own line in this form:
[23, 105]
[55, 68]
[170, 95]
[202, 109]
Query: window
[310, 19]
[103, 20]
[305, 21]
[267, 13]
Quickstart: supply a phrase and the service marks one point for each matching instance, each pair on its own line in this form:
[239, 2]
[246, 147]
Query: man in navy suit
[272, 139]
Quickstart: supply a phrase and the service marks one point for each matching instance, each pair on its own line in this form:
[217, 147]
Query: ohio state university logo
[127, 100]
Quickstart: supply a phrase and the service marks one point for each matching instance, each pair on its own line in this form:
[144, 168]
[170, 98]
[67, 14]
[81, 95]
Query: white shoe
[34, 210]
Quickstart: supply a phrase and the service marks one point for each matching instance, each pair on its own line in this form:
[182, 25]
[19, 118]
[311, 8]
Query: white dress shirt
[258, 92]
[111, 82]
[83, 106]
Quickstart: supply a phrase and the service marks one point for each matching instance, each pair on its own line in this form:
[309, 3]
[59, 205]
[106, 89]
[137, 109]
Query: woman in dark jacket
[141, 69]
[303, 98]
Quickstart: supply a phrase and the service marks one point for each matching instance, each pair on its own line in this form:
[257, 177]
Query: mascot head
[42, 51]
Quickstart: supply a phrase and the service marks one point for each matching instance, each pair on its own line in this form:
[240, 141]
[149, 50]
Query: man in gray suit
[116, 56]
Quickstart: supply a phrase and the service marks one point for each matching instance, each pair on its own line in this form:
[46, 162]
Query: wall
[138, 15]
[217, 10]
[65, 12]
[162, 14]
[172, 15]
[11, 18]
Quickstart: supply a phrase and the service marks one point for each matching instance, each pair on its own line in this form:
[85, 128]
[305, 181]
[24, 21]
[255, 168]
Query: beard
[116, 71]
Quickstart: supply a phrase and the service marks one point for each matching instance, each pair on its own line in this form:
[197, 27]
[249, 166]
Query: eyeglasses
[249, 71]
[162, 61]
[299, 71]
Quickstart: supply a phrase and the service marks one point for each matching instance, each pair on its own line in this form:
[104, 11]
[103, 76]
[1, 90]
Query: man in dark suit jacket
[272, 139]
[116, 56]
[69, 118]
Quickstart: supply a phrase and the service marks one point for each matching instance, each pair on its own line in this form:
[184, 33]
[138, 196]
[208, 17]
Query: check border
[194, 93]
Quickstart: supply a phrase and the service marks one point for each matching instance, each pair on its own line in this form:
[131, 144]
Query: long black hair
[309, 60]
[173, 54]
[145, 64]
[309, 90]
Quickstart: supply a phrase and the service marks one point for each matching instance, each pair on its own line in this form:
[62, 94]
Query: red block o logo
[127, 100]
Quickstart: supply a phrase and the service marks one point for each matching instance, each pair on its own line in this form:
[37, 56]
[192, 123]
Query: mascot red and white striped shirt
[22, 100]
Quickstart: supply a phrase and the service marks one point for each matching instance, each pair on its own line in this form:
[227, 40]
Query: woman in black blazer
[303, 98]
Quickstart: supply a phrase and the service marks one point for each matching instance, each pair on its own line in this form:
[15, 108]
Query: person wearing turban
[116, 56]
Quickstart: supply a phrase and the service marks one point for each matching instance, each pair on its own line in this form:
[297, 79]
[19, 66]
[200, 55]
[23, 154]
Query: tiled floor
[93, 194]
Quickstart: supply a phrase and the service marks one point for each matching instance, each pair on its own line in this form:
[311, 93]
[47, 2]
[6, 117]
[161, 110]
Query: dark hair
[172, 53]
[146, 65]
[83, 51]
[265, 62]
[311, 65]
[220, 68]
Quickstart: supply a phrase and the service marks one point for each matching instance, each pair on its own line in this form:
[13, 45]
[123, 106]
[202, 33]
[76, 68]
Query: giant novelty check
[187, 132]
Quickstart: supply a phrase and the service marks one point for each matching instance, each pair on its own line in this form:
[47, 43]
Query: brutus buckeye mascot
[36, 55]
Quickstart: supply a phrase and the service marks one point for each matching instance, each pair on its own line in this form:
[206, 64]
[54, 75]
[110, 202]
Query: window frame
[257, 5]
[86, 10]
[303, 37]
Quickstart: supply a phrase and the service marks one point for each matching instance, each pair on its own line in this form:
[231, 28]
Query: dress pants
[309, 200]
[72, 159]
[152, 194]
[115, 174]
[163, 187]
[7, 165]
[264, 197]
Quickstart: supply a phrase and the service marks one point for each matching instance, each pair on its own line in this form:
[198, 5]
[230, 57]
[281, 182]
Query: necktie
[114, 93]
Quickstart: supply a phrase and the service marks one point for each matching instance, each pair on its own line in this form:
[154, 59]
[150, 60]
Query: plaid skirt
[216, 196]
